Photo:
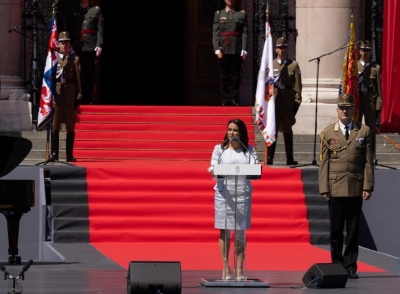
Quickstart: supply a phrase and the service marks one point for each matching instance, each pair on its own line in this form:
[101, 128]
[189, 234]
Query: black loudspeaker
[152, 277]
[326, 275]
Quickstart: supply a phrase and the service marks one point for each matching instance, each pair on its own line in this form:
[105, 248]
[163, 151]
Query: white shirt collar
[343, 125]
[280, 61]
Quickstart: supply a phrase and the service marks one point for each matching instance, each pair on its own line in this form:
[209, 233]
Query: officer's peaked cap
[365, 44]
[281, 42]
[64, 36]
[345, 100]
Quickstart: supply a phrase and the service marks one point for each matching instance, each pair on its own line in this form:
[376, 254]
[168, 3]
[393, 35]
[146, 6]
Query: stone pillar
[11, 47]
[323, 27]
[15, 108]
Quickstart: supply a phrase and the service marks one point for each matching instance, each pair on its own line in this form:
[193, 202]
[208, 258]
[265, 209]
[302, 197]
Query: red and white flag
[265, 98]
[46, 104]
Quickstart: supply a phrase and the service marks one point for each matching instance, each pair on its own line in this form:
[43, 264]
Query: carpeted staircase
[141, 177]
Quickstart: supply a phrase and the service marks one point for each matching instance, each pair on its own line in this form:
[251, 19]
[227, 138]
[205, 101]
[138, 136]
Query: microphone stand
[314, 161]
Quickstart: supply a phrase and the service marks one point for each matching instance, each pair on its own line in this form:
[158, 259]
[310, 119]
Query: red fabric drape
[390, 116]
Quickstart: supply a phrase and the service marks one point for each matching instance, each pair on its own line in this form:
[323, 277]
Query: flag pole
[265, 143]
[48, 141]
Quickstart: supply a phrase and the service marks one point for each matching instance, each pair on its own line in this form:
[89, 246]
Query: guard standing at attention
[287, 84]
[68, 91]
[369, 80]
[88, 44]
[230, 47]
[346, 178]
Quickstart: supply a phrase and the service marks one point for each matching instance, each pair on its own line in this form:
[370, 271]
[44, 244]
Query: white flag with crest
[265, 98]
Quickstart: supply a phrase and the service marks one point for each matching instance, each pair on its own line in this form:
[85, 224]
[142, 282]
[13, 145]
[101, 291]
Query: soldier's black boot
[70, 146]
[54, 147]
[271, 153]
[288, 138]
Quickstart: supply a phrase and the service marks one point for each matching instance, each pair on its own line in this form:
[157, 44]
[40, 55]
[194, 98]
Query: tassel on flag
[46, 104]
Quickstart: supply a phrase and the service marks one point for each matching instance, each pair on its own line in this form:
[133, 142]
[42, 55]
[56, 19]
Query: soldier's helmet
[345, 100]
[64, 36]
[281, 42]
[366, 45]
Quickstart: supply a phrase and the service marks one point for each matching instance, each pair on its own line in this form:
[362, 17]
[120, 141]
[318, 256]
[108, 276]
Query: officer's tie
[346, 133]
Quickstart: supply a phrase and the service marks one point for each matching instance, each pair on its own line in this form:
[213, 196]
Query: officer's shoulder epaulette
[97, 7]
[216, 11]
[327, 127]
[242, 11]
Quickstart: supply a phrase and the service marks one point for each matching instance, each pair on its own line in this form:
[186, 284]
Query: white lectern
[251, 171]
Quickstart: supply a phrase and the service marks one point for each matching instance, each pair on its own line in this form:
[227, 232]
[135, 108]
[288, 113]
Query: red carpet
[151, 198]
[172, 202]
[108, 132]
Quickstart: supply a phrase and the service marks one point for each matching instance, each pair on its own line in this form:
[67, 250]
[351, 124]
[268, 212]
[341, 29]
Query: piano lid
[14, 151]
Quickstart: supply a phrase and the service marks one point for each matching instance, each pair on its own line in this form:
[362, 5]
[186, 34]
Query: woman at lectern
[233, 193]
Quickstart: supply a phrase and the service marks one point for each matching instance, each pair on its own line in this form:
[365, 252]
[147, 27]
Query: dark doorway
[144, 53]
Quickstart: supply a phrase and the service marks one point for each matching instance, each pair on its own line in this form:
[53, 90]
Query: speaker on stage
[326, 275]
[148, 277]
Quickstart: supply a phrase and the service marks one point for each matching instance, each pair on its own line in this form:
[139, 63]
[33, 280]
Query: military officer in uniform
[287, 84]
[68, 91]
[369, 79]
[88, 44]
[230, 47]
[346, 178]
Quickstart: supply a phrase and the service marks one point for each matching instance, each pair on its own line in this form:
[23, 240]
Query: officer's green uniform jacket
[68, 88]
[68, 91]
[287, 78]
[93, 20]
[370, 86]
[346, 167]
[230, 22]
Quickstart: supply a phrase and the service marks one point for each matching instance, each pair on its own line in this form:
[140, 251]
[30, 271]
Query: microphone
[234, 138]
[3, 269]
[219, 157]
[24, 269]
[12, 29]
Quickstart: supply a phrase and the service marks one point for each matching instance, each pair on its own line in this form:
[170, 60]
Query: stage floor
[85, 270]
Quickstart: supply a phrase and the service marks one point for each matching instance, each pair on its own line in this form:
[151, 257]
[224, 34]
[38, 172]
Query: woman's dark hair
[243, 136]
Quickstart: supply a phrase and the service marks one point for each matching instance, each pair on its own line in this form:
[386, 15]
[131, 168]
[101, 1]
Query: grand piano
[16, 196]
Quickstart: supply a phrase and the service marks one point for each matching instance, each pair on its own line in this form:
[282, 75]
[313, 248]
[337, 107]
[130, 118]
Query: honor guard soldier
[88, 44]
[230, 47]
[346, 178]
[287, 84]
[68, 91]
[369, 80]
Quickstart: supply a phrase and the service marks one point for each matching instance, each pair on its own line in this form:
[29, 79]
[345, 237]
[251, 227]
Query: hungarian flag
[265, 99]
[46, 103]
[349, 80]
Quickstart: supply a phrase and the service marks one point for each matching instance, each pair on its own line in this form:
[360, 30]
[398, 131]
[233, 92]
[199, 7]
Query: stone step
[304, 146]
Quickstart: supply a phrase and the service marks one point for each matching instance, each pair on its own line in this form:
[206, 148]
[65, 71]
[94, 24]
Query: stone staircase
[306, 148]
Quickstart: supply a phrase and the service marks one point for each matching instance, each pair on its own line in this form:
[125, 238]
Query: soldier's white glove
[217, 52]
[98, 51]
[243, 54]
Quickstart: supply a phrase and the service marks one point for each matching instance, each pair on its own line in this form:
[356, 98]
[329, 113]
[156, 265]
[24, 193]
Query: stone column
[15, 113]
[11, 47]
[323, 26]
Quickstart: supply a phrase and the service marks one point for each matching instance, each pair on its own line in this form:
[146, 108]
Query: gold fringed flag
[265, 99]
[349, 80]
